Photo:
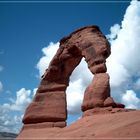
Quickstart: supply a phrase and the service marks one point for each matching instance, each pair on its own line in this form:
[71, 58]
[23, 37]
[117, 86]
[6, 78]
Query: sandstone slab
[118, 126]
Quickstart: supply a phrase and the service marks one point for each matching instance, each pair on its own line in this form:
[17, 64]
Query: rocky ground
[109, 126]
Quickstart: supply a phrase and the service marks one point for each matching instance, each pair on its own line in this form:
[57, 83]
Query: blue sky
[27, 28]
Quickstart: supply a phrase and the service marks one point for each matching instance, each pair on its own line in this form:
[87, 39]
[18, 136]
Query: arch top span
[87, 42]
[49, 104]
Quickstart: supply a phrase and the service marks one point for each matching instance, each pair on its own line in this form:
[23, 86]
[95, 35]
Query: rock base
[108, 126]
[105, 110]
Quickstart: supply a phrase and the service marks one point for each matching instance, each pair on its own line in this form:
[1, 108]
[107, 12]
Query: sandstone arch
[49, 103]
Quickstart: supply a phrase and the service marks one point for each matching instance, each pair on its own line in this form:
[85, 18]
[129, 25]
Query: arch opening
[79, 80]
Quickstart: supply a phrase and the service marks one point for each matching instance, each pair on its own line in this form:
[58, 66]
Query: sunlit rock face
[49, 106]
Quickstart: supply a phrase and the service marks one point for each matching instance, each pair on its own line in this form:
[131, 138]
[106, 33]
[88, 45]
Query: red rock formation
[49, 103]
[48, 108]
[102, 117]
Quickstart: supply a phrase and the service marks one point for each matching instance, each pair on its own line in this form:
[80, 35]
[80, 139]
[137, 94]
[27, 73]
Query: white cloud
[11, 113]
[124, 63]
[128, 38]
[130, 99]
[79, 80]
[48, 53]
[74, 96]
[118, 73]
[114, 32]
[1, 86]
[8, 121]
[82, 72]
[22, 100]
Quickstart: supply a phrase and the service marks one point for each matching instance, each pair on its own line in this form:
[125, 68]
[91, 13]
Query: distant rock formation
[49, 106]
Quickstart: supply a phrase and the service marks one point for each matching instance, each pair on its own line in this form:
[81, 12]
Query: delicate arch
[49, 103]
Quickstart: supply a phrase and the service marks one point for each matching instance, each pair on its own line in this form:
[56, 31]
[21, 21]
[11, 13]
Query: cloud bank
[124, 62]
[8, 121]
